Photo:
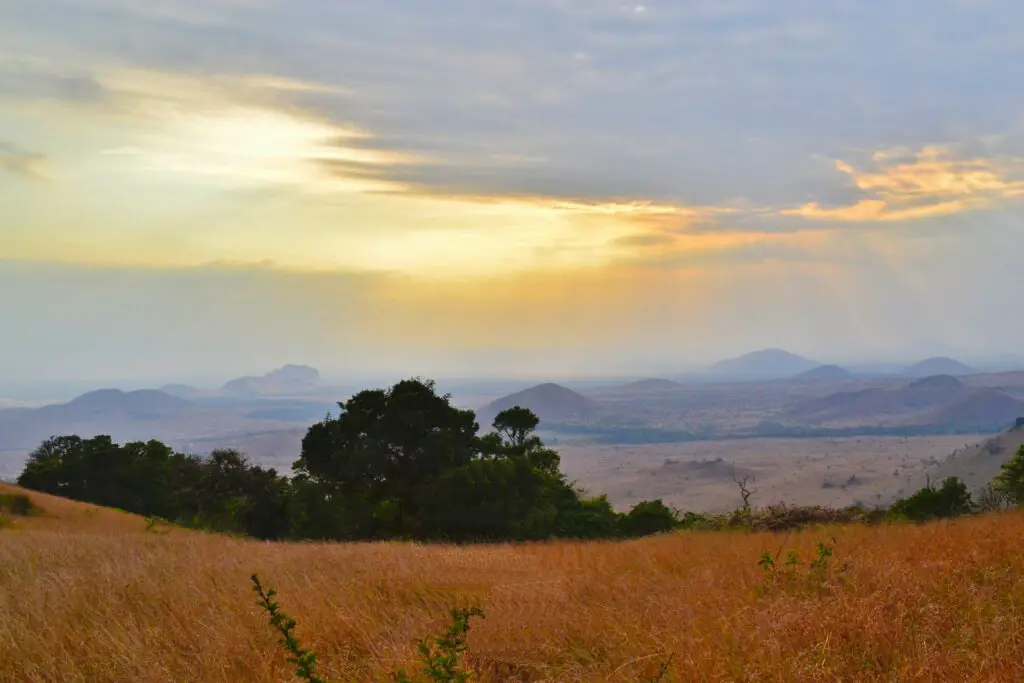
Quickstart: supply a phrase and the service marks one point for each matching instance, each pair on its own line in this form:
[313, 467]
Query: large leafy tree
[404, 462]
[383, 446]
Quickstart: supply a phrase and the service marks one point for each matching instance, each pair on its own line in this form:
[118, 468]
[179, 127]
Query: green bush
[649, 517]
[952, 499]
[17, 504]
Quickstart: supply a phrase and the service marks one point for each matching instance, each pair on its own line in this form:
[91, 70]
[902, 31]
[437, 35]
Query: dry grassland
[94, 597]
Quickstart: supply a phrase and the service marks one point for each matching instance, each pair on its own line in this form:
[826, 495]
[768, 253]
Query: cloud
[437, 217]
[659, 109]
[869, 210]
[911, 186]
[28, 79]
[25, 164]
[571, 164]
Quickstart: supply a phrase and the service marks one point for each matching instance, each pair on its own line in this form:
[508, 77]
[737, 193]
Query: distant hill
[551, 403]
[181, 391]
[764, 364]
[652, 384]
[984, 410]
[938, 366]
[826, 372]
[142, 403]
[845, 406]
[289, 379]
[941, 402]
[128, 415]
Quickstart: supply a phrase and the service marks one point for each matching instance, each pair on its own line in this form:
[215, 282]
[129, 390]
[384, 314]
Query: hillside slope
[179, 606]
[72, 517]
[976, 464]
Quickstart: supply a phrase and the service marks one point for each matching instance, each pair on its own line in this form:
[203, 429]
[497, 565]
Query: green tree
[515, 425]
[385, 445]
[45, 467]
[1010, 481]
[513, 437]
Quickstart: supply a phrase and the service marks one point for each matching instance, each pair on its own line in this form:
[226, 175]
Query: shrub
[17, 504]
[991, 499]
[649, 517]
[952, 499]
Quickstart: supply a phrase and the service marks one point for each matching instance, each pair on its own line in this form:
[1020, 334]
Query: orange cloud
[868, 210]
[932, 183]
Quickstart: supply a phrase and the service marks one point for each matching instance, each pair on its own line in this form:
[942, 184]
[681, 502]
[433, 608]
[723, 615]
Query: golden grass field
[90, 595]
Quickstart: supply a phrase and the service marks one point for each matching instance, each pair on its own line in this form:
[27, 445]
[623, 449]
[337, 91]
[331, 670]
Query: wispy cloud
[25, 164]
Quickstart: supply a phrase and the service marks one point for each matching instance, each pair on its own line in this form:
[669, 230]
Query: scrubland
[88, 594]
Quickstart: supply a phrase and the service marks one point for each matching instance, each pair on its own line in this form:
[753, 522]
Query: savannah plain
[809, 471]
[90, 594]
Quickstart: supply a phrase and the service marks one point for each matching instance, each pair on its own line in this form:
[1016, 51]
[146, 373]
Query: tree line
[404, 463]
[400, 463]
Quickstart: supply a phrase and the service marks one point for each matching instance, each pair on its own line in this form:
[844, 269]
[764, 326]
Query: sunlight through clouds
[332, 199]
[594, 175]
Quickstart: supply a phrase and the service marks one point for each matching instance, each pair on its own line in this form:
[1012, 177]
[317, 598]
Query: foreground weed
[156, 525]
[789, 576]
[441, 657]
[662, 674]
[304, 660]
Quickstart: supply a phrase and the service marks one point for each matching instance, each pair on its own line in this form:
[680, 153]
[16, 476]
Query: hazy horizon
[39, 391]
[533, 188]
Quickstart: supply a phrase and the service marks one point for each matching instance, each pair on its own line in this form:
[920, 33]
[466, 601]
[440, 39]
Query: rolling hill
[764, 364]
[650, 385]
[844, 406]
[941, 402]
[986, 409]
[268, 429]
[168, 604]
[551, 403]
[129, 415]
[289, 379]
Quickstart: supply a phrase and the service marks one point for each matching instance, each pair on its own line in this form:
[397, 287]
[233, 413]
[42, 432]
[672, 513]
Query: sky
[542, 187]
